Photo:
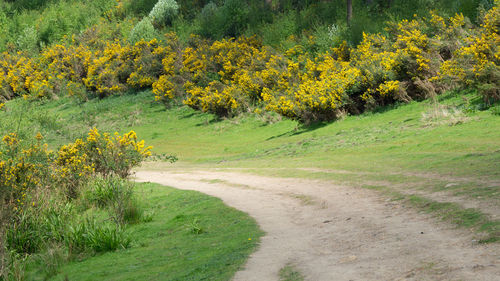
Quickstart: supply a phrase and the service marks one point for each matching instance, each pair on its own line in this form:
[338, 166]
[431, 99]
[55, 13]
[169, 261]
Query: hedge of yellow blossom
[29, 167]
[414, 59]
[477, 63]
[114, 153]
[22, 169]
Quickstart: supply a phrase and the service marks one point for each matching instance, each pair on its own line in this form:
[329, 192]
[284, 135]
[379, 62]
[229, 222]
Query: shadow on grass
[301, 129]
[207, 122]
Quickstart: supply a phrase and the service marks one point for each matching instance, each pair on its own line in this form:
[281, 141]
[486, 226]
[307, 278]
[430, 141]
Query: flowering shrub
[224, 77]
[23, 169]
[68, 63]
[35, 213]
[148, 63]
[477, 64]
[114, 153]
[216, 98]
[315, 92]
[27, 167]
[414, 59]
[73, 167]
[109, 71]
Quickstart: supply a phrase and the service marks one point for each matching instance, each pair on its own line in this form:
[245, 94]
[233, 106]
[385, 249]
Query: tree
[349, 11]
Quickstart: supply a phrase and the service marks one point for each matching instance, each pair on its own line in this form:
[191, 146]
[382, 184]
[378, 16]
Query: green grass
[393, 140]
[168, 247]
[403, 148]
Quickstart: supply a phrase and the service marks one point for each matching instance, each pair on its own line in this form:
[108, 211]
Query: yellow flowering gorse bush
[414, 59]
[28, 167]
[477, 63]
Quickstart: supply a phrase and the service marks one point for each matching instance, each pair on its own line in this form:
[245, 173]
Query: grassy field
[191, 237]
[437, 155]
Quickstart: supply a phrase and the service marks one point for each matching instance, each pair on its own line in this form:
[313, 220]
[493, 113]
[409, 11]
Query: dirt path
[334, 232]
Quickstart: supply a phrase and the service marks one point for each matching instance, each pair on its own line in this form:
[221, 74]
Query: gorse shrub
[40, 195]
[115, 154]
[164, 12]
[26, 168]
[477, 64]
[317, 78]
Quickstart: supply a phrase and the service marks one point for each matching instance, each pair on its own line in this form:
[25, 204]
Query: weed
[444, 115]
[290, 273]
[194, 227]
[495, 110]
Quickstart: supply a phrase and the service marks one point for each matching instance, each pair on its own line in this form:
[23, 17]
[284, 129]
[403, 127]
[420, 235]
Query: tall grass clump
[115, 194]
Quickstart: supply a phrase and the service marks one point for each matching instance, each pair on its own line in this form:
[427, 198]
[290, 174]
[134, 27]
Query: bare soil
[333, 232]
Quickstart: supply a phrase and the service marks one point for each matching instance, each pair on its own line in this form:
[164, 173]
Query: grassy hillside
[403, 99]
[442, 136]
[412, 152]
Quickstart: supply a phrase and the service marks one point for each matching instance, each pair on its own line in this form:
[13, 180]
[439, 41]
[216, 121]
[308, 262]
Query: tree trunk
[349, 11]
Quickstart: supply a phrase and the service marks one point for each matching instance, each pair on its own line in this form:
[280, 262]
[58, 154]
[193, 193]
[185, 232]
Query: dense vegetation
[44, 193]
[304, 60]
[412, 59]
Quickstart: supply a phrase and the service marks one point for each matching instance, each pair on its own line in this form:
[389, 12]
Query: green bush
[28, 40]
[29, 4]
[283, 26]
[207, 19]
[234, 18]
[229, 20]
[139, 7]
[164, 12]
[144, 30]
[495, 110]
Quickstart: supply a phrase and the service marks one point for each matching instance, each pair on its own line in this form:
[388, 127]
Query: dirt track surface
[331, 232]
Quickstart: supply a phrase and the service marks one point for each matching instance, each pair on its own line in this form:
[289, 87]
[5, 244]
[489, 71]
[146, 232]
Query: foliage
[30, 24]
[115, 193]
[477, 64]
[317, 78]
[119, 66]
[28, 40]
[143, 30]
[164, 12]
[114, 154]
[40, 190]
[139, 7]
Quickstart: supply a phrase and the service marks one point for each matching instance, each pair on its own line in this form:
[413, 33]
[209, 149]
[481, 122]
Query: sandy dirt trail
[331, 232]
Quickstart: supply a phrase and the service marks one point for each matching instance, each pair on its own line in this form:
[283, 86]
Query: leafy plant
[144, 30]
[164, 12]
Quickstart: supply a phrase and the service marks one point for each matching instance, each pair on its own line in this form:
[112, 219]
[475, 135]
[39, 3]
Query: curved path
[331, 232]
